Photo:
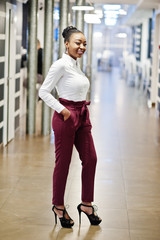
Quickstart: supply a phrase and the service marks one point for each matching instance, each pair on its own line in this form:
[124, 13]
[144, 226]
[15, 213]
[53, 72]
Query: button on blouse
[70, 82]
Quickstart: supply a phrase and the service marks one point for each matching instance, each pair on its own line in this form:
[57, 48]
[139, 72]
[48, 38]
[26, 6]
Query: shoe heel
[55, 214]
[79, 217]
[79, 211]
[55, 218]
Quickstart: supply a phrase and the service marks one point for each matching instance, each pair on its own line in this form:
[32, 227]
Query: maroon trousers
[76, 130]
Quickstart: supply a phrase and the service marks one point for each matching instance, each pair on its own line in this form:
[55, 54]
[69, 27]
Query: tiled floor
[127, 187]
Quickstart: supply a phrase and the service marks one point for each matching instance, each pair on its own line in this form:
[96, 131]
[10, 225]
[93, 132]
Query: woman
[71, 126]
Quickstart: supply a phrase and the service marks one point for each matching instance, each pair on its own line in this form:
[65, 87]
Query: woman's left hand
[66, 113]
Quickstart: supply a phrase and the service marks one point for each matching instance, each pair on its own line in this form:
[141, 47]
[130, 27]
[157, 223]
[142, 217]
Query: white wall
[144, 41]
[40, 30]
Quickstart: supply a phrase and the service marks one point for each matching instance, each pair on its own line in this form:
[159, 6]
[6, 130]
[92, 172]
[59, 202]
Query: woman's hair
[68, 31]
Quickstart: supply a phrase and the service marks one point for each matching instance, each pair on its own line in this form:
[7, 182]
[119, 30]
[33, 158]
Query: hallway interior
[127, 187]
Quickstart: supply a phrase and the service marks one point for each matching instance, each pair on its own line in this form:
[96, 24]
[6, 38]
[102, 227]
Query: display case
[151, 33]
[137, 37]
[158, 84]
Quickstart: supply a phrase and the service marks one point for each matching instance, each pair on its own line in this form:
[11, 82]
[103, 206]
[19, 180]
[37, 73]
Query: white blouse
[70, 82]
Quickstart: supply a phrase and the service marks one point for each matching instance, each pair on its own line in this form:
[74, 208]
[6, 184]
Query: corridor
[127, 192]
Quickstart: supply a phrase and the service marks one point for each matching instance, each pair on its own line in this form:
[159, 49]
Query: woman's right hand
[66, 113]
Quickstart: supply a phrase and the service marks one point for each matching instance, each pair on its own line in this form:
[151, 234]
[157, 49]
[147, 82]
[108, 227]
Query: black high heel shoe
[66, 223]
[94, 219]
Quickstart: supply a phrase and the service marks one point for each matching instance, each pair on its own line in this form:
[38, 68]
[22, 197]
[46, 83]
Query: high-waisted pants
[76, 130]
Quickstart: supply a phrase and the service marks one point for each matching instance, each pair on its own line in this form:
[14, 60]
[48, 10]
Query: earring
[66, 50]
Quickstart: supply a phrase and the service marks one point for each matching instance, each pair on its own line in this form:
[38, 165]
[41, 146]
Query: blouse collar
[70, 60]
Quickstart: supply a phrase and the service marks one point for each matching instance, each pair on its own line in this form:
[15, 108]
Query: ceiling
[145, 4]
[113, 1]
[143, 8]
[139, 3]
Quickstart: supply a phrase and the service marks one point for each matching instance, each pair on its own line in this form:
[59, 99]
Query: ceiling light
[23, 1]
[121, 35]
[111, 14]
[122, 12]
[83, 8]
[92, 18]
[111, 6]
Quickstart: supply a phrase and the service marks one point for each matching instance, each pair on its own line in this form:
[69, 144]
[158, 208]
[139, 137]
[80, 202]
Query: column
[32, 67]
[80, 16]
[80, 23]
[70, 14]
[47, 60]
[63, 24]
[89, 55]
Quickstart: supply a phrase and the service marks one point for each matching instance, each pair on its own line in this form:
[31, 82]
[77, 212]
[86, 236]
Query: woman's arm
[56, 71]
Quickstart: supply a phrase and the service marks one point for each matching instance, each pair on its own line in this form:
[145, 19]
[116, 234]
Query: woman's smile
[79, 51]
[76, 46]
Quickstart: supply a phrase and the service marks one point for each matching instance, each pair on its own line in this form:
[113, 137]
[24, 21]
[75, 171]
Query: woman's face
[76, 45]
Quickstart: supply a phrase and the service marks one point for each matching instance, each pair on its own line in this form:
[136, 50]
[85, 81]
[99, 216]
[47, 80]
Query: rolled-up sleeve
[55, 73]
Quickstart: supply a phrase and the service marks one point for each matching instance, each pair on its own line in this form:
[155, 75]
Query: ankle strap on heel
[86, 205]
[59, 208]
[94, 207]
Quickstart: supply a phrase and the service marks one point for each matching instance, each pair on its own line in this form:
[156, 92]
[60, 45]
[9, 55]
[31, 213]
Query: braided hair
[68, 31]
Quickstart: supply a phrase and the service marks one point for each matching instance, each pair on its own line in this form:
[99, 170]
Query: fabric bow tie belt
[84, 108]
[76, 105]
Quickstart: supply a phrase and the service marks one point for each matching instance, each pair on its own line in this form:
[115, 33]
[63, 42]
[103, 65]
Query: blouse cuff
[59, 107]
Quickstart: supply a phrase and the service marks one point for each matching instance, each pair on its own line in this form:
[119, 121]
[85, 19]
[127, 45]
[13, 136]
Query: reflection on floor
[127, 188]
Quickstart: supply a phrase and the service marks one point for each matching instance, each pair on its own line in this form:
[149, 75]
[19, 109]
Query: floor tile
[144, 219]
[144, 188]
[143, 203]
[145, 234]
